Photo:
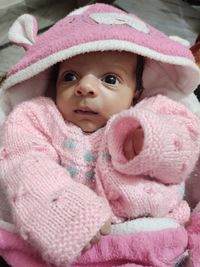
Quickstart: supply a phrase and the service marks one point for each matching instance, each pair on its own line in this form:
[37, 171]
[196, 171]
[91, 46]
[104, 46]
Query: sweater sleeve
[55, 214]
[171, 144]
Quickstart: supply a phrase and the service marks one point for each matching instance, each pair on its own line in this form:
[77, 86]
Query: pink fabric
[52, 171]
[169, 69]
[56, 38]
[194, 239]
[51, 168]
[161, 248]
[17, 252]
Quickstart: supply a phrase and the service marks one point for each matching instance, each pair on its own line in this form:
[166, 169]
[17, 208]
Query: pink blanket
[193, 229]
[156, 248]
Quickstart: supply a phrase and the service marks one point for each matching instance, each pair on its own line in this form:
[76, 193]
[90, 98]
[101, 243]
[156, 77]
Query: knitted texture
[51, 168]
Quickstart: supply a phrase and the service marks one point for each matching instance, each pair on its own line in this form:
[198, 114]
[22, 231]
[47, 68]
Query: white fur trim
[44, 63]
[180, 40]
[22, 31]
[111, 18]
[144, 225]
[79, 11]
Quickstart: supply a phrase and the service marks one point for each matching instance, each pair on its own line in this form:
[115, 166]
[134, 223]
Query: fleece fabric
[170, 67]
[146, 248]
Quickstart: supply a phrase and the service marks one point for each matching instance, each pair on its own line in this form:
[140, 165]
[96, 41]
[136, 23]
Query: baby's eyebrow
[70, 64]
[120, 67]
[67, 67]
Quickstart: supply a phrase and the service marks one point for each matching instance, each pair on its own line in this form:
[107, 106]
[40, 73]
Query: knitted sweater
[52, 169]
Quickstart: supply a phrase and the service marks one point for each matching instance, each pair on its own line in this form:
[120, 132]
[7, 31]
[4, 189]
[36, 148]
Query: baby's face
[94, 86]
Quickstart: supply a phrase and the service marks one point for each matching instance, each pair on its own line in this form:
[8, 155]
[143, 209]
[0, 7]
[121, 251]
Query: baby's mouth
[85, 111]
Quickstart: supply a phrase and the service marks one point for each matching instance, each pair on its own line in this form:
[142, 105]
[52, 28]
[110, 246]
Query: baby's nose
[87, 86]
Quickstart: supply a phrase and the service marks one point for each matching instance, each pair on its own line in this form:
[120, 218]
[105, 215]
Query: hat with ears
[169, 66]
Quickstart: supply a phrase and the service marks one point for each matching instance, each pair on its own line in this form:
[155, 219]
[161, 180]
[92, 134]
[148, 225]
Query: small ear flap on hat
[23, 32]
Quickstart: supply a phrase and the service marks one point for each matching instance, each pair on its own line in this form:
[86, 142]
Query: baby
[109, 146]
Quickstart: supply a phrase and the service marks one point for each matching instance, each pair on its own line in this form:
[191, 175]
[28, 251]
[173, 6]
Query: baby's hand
[133, 143]
[105, 230]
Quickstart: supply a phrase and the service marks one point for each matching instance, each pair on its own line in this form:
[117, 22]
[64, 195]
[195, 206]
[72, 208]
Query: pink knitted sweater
[51, 170]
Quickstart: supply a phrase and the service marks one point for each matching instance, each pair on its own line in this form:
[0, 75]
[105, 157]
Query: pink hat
[169, 65]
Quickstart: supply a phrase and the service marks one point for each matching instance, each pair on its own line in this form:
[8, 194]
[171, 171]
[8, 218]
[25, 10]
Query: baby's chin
[89, 127]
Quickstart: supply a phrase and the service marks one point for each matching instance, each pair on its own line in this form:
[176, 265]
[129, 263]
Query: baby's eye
[110, 79]
[70, 76]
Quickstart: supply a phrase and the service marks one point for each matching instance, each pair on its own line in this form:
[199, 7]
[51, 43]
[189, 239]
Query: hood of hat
[169, 69]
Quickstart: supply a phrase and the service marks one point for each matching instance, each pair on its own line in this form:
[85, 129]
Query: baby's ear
[23, 32]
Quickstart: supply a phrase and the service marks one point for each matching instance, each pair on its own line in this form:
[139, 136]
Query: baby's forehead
[102, 58]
